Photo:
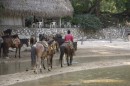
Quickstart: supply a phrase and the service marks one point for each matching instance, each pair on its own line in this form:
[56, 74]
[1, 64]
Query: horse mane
[15, 36]
[50, 42]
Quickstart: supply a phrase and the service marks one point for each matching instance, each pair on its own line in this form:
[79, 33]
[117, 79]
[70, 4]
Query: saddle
[44, 43]
[16, 41]
[68, 44]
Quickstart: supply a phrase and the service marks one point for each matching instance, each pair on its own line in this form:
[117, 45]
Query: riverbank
[98, 49]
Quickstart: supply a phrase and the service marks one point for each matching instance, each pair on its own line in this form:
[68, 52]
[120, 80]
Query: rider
[69, 39]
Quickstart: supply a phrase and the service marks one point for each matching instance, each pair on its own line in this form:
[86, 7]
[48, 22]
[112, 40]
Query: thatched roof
[43, 8]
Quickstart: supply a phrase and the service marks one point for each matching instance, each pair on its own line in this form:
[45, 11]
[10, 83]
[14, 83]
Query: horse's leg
[16, 52]
[57, 47]
[33, 57]
[38, 65]
[61, 54]
[48, 62]
[71, 58]
[19, 52]
[42, 61]
[6, 52]
[51, 60]
[0, 50]
[67, 59]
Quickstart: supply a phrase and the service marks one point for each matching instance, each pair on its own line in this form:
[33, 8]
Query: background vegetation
[95, 14]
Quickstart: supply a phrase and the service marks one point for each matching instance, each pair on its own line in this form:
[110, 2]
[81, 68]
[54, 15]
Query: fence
[105, 33]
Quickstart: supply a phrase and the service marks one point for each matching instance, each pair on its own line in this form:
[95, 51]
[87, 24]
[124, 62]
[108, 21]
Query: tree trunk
[95, 8]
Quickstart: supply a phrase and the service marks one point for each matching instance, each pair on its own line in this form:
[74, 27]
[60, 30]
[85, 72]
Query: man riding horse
[67, 49]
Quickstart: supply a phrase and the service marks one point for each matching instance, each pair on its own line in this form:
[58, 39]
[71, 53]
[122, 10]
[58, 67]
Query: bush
[87, 21]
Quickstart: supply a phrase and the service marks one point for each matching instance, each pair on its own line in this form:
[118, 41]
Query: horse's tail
[33, 56]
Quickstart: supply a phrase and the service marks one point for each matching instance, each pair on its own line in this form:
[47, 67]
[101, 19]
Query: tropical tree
[1, 8]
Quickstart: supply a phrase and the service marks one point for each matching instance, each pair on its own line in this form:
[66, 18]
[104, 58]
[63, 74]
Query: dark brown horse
[68, 51]
[12, 41]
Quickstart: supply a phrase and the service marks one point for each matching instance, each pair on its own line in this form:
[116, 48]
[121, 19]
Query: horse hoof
[35, 72]
[40, 70]
[6, 57]
[49, 70]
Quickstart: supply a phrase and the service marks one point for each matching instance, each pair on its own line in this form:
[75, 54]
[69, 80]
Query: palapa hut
[15, 11]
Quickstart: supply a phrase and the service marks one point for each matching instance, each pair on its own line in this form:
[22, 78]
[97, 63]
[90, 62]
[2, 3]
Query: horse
[49, 54]
[37, 51]
[59, 41]
[12, 41]
[24, 41]
[39, 54]
[66, 49]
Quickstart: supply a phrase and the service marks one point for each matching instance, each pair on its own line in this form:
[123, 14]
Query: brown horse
[12, 41]
[39, 54]
[49, 54]
[68, 51]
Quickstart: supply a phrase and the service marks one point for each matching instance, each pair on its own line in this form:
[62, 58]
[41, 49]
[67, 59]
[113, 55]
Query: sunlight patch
[102, 81]
[126, 63]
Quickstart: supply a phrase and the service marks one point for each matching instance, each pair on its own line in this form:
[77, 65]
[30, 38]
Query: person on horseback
[67, 48]
[69, 39]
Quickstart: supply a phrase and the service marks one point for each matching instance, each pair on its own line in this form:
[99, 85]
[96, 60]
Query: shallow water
[13, 67]
[112, 76]
[20, 66]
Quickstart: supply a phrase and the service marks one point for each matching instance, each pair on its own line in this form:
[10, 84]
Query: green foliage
[87, 21]
[28, 21]
[127, 4]
[108, 20]
[1, 8]
[81, 6]
[113, 6]
[66, 18]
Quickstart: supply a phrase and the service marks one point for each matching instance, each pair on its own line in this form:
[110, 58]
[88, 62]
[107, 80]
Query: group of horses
[55, 44]
[7, 41]
[39, 50]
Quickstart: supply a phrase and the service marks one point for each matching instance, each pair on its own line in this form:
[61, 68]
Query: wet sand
[93, 51]
[10, 79]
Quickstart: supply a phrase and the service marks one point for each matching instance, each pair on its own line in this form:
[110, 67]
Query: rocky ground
[89, 49]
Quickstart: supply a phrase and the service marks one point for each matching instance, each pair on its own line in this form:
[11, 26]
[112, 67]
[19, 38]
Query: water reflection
[13, 67]
[113, 76]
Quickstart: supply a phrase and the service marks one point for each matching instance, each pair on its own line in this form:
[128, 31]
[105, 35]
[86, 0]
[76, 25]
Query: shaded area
[113, 76]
